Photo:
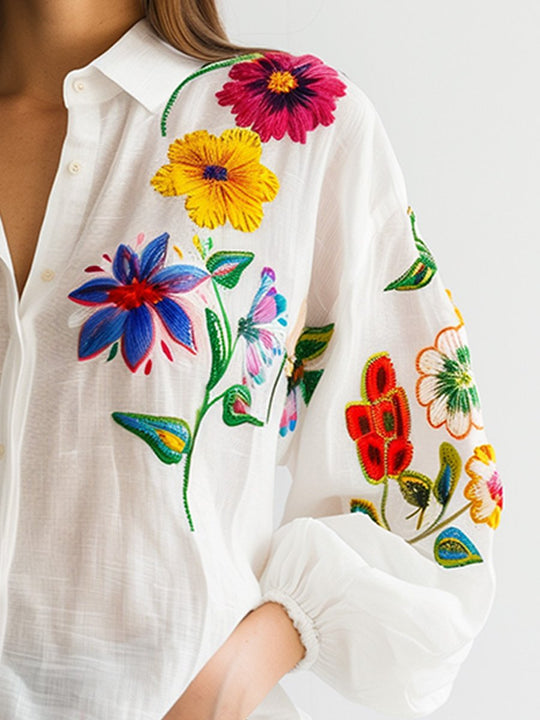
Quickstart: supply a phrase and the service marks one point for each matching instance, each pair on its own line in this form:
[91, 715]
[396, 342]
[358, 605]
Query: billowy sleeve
[383, 559]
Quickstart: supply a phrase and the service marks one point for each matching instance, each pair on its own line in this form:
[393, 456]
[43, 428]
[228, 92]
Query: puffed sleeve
[383, 559]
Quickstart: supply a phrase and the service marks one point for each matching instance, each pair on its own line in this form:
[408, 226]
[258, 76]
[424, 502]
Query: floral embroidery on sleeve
[279, 94]
[222, 178]
[380, 427]
[446, 385]
[138, 290]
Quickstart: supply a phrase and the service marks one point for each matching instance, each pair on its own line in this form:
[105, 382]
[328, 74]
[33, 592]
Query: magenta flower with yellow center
[222, 178]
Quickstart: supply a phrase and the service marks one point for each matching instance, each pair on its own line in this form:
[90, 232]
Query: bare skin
[40, 42]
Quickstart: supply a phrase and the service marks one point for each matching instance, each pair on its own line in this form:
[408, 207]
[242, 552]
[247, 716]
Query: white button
[74, 167]
[47, 275]
[79, 86]
[2, 450]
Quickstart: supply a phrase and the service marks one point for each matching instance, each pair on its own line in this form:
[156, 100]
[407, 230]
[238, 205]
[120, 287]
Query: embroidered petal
[179, 279]
[138, 337]
[153, 256]
[126, 265]
[94, 292]
[177, 323]
[101, 330]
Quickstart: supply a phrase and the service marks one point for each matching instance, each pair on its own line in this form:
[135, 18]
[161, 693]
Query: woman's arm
[263, 647]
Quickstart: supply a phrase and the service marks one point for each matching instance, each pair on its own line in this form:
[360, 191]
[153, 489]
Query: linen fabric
[229, 280]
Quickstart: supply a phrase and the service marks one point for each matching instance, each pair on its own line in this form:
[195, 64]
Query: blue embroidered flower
[141, 288]
[264, 328]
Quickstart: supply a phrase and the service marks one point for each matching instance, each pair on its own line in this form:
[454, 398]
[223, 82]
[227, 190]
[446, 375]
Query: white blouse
[229, 278]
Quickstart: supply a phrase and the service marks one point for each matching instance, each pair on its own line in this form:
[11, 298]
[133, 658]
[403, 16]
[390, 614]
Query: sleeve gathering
[383, 559]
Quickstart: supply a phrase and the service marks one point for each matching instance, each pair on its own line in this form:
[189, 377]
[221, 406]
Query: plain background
[457, 87]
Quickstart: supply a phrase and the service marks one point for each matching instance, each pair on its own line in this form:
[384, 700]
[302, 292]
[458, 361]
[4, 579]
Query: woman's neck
[42, 40]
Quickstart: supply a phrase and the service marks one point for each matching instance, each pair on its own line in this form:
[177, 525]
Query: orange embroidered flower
[485, 489]
[221, 176]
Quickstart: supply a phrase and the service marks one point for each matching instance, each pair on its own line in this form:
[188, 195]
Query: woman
[209, 267]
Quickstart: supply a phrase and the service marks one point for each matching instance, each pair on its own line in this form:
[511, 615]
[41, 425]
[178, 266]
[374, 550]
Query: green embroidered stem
[435, 528]
[225, 318]
[196, 74]
[383, 504]
[201, 412]
[276, 381]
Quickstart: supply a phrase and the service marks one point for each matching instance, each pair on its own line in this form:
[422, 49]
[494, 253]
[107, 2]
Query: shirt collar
[143, 65]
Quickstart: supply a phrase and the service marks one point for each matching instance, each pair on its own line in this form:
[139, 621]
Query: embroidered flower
[380, 425]
[221, 176]
[485, 488]
[263, 329]
[301, 380]
[446, 386]
[140, 290]
[281, 93]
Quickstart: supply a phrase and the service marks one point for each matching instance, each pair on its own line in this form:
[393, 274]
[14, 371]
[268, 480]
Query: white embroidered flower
[446, 385]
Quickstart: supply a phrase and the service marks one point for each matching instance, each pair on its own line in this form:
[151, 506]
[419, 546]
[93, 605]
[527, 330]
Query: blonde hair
[194, 27]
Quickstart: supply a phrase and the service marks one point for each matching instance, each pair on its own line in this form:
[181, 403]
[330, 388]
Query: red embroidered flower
[281, 93]
[381, 424]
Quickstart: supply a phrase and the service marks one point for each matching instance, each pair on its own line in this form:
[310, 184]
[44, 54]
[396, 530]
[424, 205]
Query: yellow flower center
[282, 82]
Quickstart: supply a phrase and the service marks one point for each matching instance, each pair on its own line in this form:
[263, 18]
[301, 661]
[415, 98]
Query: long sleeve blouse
[230, 278]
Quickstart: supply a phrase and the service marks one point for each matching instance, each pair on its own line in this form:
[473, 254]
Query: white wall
[457, 87]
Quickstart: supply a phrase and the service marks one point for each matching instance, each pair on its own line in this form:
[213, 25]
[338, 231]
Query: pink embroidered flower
[485, 488]
[281, 93]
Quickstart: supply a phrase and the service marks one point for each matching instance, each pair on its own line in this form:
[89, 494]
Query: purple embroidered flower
[140, 291]
[263, 329]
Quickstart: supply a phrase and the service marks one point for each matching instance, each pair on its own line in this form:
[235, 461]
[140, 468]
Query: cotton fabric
[119, 577]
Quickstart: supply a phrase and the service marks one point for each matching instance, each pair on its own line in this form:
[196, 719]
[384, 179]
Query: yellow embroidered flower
[485, 489]
[221, 176]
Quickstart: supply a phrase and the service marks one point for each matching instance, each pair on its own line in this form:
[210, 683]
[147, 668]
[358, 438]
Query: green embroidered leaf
[454, 549]
[421, 272]
[367, 508]
[113, 352]
[169, 437]
[236, 402]
[312, 342]
[417, 276]
[227, 267]
[217, 342]
[449, 473]
[309, 382]
[415, 488]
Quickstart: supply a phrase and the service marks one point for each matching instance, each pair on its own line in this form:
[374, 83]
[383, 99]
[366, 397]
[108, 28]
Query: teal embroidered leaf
[360, 505]
[169, 437]
[226, 267]
[236, 402]
[454, 549]
[309, 383]
[113, 352]
[312, 342]
[449, 473]
[421, 272]
[219, 352]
